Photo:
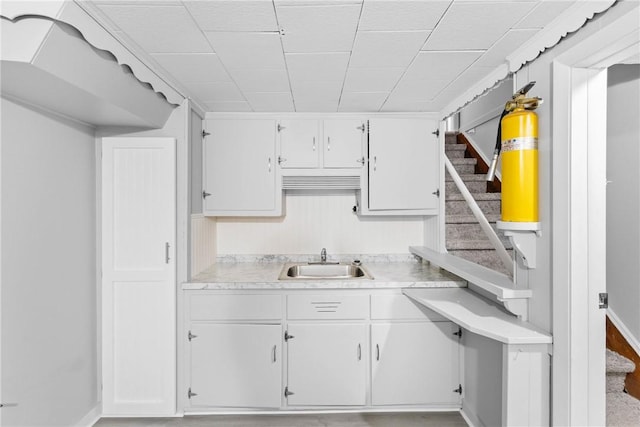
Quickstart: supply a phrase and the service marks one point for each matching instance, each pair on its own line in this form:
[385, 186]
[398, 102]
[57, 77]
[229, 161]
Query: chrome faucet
[323, 255]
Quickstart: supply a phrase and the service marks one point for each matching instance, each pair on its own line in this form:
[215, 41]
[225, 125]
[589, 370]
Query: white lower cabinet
[331, 349]
[414, 363]
[236, 365]
[327, 364]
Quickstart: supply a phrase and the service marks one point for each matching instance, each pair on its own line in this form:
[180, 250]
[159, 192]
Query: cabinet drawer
[330, 306]
[236, 307]
[389, 307]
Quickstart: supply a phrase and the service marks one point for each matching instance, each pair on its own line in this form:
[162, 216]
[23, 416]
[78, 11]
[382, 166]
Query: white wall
[315, 220]
[49, 348]
[480, 119]
[623, 195]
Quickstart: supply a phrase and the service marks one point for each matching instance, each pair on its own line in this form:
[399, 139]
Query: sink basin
[323, 271]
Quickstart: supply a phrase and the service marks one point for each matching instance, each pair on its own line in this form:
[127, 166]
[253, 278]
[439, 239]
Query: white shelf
[478, 315]
[491, 281]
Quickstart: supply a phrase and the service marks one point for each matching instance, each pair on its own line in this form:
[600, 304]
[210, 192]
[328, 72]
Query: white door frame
[579, 216]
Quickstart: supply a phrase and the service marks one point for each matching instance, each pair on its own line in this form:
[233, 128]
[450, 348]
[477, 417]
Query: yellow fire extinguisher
[518, 141]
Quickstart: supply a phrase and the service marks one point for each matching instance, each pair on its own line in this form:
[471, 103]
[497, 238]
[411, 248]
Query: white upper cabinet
[403, 167]
[239, 171]
[299, 143]
[328, 144]
[343, 143]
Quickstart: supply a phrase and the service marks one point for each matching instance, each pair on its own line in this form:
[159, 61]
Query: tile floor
[424, 419]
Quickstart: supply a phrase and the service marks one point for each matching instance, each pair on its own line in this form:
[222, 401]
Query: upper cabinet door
[240, 168]
[343, 143]
[299, 143]
[403, 164]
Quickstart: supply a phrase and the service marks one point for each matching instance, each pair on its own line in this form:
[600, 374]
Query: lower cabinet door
[236, 365]
[414, 364]
[327, 364]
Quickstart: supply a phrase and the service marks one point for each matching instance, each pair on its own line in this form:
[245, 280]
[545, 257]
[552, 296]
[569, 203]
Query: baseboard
[624, 331]
[91, 417]
[470, 418]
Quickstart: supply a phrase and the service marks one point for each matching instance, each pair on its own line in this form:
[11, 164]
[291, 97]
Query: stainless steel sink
[323, 271]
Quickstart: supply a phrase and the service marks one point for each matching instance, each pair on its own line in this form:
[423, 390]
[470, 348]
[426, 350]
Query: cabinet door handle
[375, 163]
[328, 143]
[314, 143]
[269, 164]
[166, 253]
[377, 351]
[359, 351]
[275, 353]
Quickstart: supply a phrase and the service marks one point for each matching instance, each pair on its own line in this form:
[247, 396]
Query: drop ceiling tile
[261, 79]
[193, 67]
[230, 107]
[215, 92]
[234, 15]
[476, 25]
[330, 66]
[468, 78]
[247, 50]
[317, 106]
[159, 28]
[386, 48]
[509, 43]
[372, 79]
[440, 65]
[399, 105]
[316, 2]
[362, 101]
[270, 101]
[322, 91]
[418, 90]
[545, 12]
[318, 28]
[401, 15]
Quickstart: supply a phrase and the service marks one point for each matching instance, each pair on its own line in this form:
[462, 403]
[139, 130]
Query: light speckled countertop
[261, 272]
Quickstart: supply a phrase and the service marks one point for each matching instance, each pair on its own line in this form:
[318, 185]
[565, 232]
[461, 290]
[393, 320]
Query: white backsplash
[315, 221]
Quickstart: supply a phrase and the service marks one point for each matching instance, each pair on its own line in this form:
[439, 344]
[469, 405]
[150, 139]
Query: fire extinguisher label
[523, 143]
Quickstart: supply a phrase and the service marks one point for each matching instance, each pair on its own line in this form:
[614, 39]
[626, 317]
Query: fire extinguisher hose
[496, 151]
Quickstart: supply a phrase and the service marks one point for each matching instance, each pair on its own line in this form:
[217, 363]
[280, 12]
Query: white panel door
[414, 364]
[403, 164]
[138, 276]
[327, 364]
[240, 167]
[343, 143]
[299, 144]
[236, 365]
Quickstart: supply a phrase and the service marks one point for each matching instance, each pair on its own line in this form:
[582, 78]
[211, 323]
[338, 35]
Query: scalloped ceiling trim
[100, 39]
[576, 17]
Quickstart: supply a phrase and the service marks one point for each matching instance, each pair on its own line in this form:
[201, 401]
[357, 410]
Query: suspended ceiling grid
[327, 55]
